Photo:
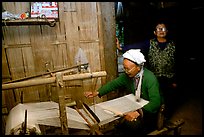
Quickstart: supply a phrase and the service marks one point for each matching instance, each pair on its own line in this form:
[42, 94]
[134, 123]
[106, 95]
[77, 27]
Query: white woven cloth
[138, 88]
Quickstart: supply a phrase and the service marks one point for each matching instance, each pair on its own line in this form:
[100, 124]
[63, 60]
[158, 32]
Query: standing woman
[161, 61]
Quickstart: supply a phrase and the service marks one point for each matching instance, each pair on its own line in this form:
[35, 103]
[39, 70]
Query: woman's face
[131, 69]
[161, 31]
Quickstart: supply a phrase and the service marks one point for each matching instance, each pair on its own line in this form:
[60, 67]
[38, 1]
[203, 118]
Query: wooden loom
[59, 78]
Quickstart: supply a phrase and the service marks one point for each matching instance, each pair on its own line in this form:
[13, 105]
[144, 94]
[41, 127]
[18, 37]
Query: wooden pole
[50, 80]
[95, 126]
[62, 106]
[66, 70]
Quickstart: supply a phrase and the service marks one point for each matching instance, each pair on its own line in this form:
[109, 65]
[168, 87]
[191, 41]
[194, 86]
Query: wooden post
[160, 121]
[177, 131]
[62, 106]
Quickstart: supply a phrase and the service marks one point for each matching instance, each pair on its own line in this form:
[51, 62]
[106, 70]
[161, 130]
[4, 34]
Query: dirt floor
[191, 111]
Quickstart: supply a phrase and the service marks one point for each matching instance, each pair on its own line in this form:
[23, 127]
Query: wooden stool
[165, 127]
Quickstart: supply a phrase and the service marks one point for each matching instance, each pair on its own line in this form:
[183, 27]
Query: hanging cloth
[138, 83]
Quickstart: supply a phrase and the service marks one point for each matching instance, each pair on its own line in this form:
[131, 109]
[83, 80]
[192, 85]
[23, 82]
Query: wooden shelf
[50, 22]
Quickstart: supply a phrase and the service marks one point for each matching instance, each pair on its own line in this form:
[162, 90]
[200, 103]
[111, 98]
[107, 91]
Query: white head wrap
[135, 55]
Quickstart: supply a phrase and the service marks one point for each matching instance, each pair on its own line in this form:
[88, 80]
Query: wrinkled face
[131, 69]
[161, 31]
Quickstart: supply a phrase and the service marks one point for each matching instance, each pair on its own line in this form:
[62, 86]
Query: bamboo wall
[32, 49]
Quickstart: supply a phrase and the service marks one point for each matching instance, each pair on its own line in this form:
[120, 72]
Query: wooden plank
[16, 35]
[28, 60]
[10, 99]
[28, 21]
[91, 51]
[48, 35]
[22, 7]
[69, 7]
[61, 31]
[16, 67]
[24, 34]
[60, 51]
[40, 53]
[58, 45]
[63, 51]
[87, 18]
[72, 35]
[159, 132]
[3, 102]
[47, 32]
[108, 32]
[7, 97]
[75, 92]
[9, 6]
[106, 17]
[9, 35]
[15, 62]
[101, 37]
[17, 45]
[5, 69]
[5, 36]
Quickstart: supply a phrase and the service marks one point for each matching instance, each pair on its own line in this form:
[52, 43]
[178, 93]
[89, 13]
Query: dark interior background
[185, 24]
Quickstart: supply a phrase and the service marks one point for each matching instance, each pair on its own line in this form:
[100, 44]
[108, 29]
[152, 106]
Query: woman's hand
[132, 116]
[174, 85]
[90, 94]
[118, 44]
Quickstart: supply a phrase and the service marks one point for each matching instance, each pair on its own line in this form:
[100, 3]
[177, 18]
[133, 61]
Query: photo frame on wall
[49, 10]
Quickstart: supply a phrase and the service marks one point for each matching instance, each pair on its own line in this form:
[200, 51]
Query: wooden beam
[65, 70]
[42, 81]
[28, 22]
[62, 106]
[159, 132]
[93, 128]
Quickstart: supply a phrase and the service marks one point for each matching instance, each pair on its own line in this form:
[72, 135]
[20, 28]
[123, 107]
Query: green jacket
[149, 91]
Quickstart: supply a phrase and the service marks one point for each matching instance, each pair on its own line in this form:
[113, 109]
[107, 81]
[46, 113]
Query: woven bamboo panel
[33, 49]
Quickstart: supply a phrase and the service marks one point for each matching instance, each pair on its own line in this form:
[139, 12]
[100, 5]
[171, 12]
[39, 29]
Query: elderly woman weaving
[143, 84]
